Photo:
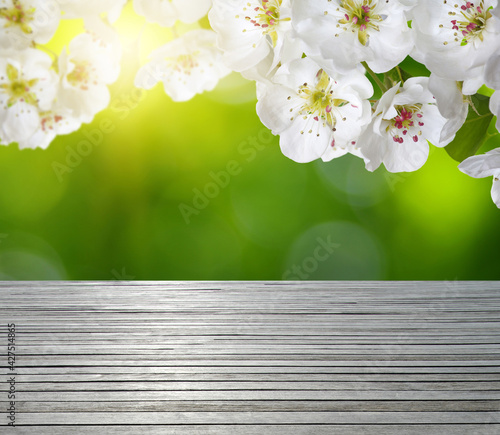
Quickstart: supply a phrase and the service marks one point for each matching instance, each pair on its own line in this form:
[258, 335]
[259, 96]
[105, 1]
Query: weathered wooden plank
[373, 376]
[261, 325]
[48, 360]
[144, 359]
[278, 307]
[347, 367]
[264, 385]
[256, 394]
[262, 405]
[83, 338]
[257, 330]
[241, 349]
[388, 308]
[257, 418]
[258, 357]
[286, 429]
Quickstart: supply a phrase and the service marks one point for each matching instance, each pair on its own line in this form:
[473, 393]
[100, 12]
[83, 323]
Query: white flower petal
[18, 122]
[495, 107]
[166, 13]
[407, 157]
[485, 165]
[57, 121]
[451, 105]
[495, 192]
[481, 166]
[298, 144]
[448, 93]
[39, 139]
[492, 72]
[373, 148]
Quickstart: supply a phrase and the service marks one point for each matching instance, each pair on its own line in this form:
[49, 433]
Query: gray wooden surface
[272, 358]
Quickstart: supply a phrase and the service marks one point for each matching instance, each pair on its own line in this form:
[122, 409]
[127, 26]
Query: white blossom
[85, 73]
[404, 120]
[187, 66]
[23, 22]
[255, 35]
[456, 38]
[347, 32]
[27, 87]
[54, 122]
[106, 38]
[485, 165]
[167, 12]
[317, 115]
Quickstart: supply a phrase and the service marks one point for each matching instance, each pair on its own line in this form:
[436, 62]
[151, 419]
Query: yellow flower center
[184, 63]
[268, 18]
[18, 16]
[80, 76]
[469, 21]
[359, 16]
[320, 100]
[17, 88]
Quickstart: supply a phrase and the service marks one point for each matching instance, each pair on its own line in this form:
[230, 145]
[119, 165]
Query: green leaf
[377, 93]
[413, 69]
[484, 90]
[492, 130]
[474, 132]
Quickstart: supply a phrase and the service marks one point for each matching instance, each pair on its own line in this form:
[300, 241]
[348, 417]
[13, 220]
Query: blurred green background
[138, 200]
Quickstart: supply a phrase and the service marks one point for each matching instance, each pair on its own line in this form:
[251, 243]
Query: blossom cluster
[330, 81]
[191, 63]
[43, 95]
[329, 73]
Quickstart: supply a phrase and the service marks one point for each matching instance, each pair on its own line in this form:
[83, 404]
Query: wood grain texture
[273, 358]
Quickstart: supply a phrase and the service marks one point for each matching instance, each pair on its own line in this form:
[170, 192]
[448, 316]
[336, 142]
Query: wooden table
[238, 358]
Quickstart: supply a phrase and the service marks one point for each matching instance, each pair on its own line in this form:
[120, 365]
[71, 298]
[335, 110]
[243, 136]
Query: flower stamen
[468, 23]
[319, 104]
[267, 18]
[360, 16]
[18, 16]
[18, 88]
[404, 123]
